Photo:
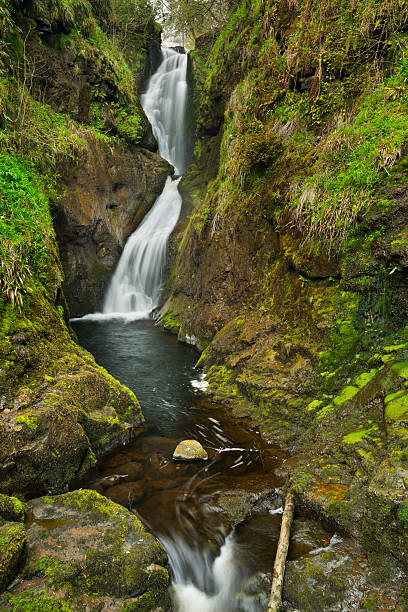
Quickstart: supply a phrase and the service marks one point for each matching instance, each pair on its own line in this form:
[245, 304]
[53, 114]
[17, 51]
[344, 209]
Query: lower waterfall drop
[137, 282]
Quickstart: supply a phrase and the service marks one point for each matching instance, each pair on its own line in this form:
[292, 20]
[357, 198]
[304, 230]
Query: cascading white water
[165, 104]
[136, 285]
[200, 582]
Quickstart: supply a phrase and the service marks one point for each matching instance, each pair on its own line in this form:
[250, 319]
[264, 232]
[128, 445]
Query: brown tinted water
[183, 501]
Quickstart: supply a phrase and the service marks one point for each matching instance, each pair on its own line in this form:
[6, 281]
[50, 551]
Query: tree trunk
[275, 599]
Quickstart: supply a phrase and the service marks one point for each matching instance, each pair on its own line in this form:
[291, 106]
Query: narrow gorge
[219, 234]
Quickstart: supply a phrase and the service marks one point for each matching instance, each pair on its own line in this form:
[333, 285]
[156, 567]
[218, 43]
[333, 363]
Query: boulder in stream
[190, 450]
[86, 552]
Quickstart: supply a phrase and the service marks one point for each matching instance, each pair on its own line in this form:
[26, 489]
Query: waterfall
[165, 104]
[136, 285]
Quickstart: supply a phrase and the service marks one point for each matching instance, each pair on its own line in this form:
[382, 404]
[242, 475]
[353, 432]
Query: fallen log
[275, 599]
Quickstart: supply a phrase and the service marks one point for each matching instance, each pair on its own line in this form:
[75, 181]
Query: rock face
[86, 552]
[189, 450]
[106, 196]
[282, 298]
[330, 573]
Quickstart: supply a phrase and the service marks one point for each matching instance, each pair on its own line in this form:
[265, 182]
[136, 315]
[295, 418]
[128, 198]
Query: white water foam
[217, 585]
[201, 384]
[165, 104]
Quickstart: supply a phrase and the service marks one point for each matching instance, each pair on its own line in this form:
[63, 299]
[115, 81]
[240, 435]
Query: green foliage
[133, 24]
[403, 515]
[354, 56]
[355, 157]
[35, 138]
[25, 225]
[192, 18]
[128, 123]
[37, 131]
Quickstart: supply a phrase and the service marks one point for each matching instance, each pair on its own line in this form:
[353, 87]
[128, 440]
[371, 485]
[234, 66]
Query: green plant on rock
[25, 226]
[354, 158]
[128, 123]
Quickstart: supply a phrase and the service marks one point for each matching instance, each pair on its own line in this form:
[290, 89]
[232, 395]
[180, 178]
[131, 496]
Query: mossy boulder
[88, 551]
[11, 509]
[13, 550]
[335, 574]
[60, 409]
[354, 467]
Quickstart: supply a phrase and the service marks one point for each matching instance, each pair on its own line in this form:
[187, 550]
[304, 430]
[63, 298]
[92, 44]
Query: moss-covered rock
[12, 509]
[90, 552]
[13, 550]
[60, 410]
[338, 575]
[355, 463]
[190, 450]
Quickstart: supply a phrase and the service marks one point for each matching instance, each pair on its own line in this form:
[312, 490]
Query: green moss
[396, 408]
[36, 601]
[314, 404]
[148, 601]
[401, 369]
[361, 433]
[403, 515]
[13, 550]
[29, 419]
[11, 508]
[346, 394]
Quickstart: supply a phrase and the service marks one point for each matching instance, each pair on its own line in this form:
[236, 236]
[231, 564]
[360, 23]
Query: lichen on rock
[190, 450]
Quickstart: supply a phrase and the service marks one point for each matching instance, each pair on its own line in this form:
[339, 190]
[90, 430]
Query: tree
[191, 18]
[133, 19]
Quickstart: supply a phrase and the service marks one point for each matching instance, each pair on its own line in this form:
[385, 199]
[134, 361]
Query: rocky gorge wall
[106, 196]
[291, 273]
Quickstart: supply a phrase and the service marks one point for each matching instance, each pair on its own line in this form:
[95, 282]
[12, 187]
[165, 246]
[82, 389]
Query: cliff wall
[291, 274]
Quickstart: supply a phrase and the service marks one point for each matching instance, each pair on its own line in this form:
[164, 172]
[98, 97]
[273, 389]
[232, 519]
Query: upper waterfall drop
[136, 285]
[165, 106]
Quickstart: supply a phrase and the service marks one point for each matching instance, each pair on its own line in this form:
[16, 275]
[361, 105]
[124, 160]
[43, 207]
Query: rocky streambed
[218, 522]
[145, 532]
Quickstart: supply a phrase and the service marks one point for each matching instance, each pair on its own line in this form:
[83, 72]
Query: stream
[191, 507]
[181, 502]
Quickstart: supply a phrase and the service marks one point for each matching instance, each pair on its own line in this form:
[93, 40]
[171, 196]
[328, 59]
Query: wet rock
[105, 198]
[81, 414]
[92, 553]
[337, 576]
[161, 467]
[255, 592]
[130, 472]
[165, 484]
[189, 450]
[238, 505]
